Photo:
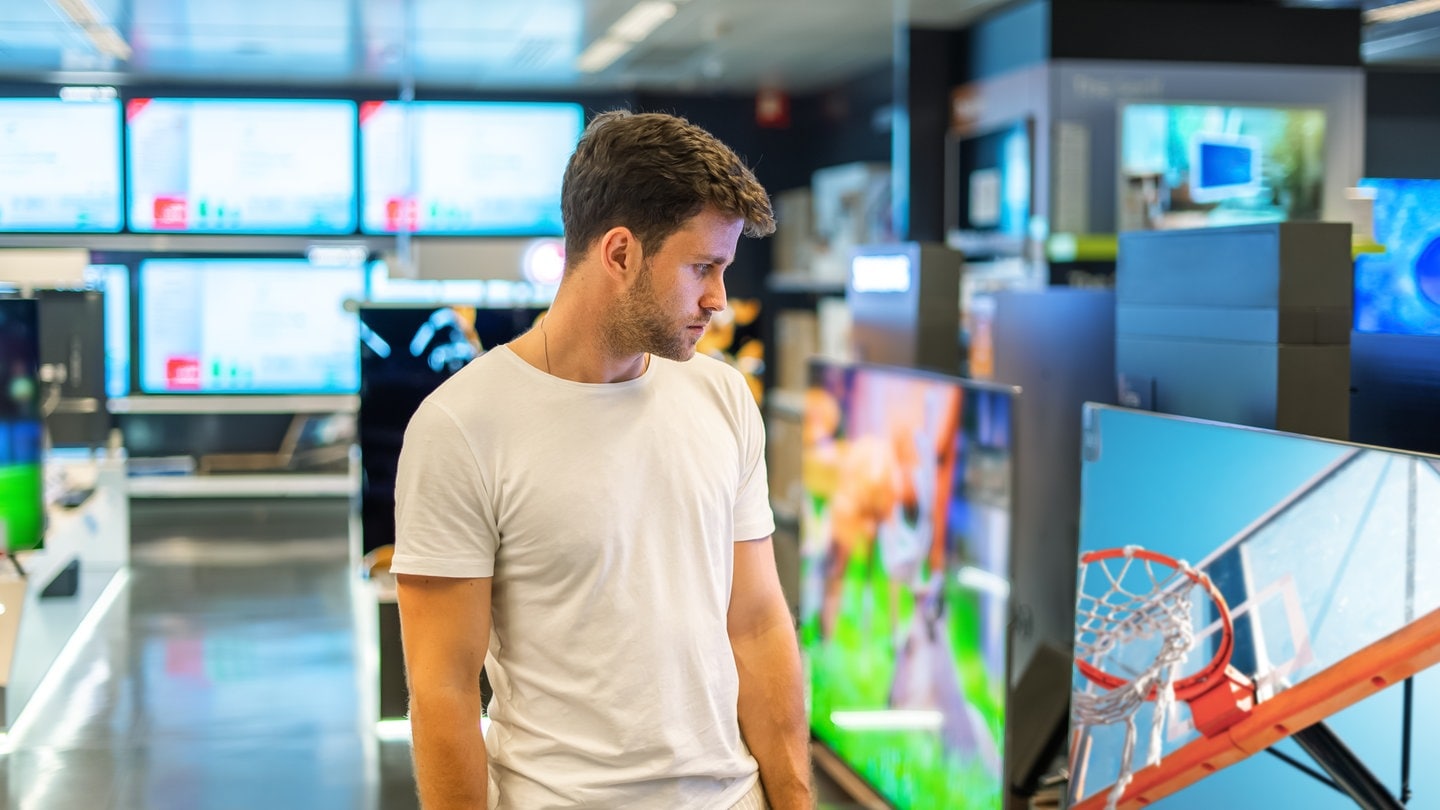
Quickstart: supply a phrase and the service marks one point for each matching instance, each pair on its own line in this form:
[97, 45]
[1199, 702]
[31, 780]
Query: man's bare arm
[445, 629]
[767, 655]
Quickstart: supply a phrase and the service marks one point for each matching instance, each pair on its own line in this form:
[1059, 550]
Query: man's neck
[568, 343]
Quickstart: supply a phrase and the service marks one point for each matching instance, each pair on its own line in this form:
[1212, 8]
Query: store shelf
[279, 485]
[205, 404]
[805, 283]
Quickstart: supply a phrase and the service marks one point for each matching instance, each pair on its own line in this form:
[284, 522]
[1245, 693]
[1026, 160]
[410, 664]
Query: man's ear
[620, 253]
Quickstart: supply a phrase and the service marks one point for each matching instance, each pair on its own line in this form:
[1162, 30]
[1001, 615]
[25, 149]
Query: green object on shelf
[1082, 247]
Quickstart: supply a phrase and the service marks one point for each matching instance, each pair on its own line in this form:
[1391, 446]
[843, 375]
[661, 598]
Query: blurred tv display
[1195, 166]
[470, 168]
[905, 545]
[989, 191]
[22, 510]
[60, 161]
[114, 283]
[247, 326]
[241, 165]
[405, 353]
[1398, 292]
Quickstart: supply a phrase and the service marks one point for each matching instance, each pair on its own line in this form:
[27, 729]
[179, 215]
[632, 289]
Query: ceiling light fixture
[639, 22]
[92, 23]
[632, 28]
[601, 54]
[1401, 11]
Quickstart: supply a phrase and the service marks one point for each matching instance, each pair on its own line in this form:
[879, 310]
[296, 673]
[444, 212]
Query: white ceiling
[513, 45]
[474, 44]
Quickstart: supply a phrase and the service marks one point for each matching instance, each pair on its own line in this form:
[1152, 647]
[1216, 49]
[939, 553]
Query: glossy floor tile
[227, 674]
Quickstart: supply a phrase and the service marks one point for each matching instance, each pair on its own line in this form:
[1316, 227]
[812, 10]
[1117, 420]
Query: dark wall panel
[1189, 31]
[1402, 124]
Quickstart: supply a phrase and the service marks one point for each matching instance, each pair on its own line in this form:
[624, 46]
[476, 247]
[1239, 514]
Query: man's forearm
[772, 714]
[451, 768]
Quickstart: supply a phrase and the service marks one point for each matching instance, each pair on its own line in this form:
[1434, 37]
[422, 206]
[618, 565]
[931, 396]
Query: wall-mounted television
[1201, 165]
[1398, 292]
[60, 164]
[905, 545]
[465, 168]
[989, 189]
[406, 351]
[247, 326]
[241, 165]
[114, 283]
[22, 506]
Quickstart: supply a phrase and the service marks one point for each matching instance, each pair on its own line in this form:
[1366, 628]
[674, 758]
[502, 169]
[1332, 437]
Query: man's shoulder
[488, 370]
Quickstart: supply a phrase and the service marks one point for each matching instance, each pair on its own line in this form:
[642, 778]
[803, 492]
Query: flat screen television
[22, 506]
[1323, 551]
[247, 326]
[1398, 292]
[1200, 165]
[60, 161]
[905, 545]
[989, 187]
[114, 283]
[465, 168]
[406, 351]
[241, 165]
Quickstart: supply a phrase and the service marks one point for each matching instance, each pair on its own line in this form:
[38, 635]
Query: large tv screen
[1398, 292]
[247, 326]
[59, 165]
[484, 168]
[905, 543]
[22, 508]
[241, 166]
[1324, 554]
[114, 282]
[1194, 166]
[405, 353]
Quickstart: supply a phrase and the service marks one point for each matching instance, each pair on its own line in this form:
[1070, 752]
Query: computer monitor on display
[22, 512]
[241, 165]
[247, 326]
[905, 561]
[904, 304]
[1204, 165]
[61, 162]
[1224, 166]
[471, 168]
[989, 191]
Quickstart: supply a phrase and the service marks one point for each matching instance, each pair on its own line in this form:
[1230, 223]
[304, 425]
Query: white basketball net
[1120, 617]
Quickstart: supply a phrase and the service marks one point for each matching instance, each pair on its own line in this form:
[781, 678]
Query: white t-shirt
[607, 515]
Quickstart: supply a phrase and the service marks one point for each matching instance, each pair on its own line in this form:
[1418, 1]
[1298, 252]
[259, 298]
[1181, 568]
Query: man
[588, 505]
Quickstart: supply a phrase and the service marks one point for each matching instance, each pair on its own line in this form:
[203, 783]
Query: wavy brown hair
[652, 172]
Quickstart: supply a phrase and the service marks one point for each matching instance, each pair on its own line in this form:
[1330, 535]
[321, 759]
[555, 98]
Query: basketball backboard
[1327, 554]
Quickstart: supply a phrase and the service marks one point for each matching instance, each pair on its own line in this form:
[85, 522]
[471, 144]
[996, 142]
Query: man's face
[677, 289]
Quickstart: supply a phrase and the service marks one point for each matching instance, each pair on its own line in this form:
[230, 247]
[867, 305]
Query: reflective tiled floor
[226, 675]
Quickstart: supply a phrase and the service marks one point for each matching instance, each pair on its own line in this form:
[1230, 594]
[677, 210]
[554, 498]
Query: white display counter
[35, 630]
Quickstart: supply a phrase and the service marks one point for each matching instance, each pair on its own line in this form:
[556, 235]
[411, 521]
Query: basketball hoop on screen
[1133, 638]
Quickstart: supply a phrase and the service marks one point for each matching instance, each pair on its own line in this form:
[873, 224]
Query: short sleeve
[444, 517]
[753, 518]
